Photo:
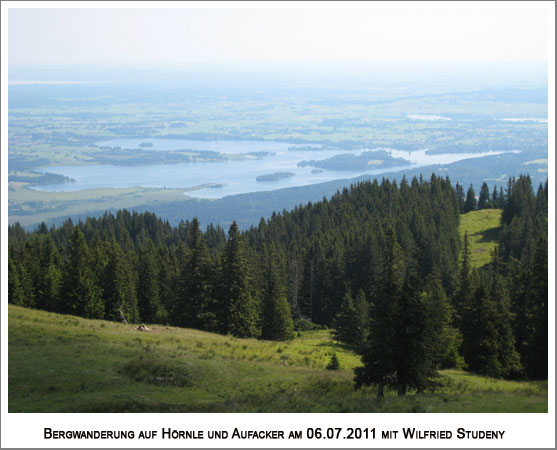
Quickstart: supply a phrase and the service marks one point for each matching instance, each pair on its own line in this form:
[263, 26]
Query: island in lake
[261, 154]
[146, 144]
[275, 176]
[365, 161]
[306, 148]
[34, 178]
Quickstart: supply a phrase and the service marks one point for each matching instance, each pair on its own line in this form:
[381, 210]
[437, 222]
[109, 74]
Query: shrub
[334, 364]
[156, 371]
[305, 325]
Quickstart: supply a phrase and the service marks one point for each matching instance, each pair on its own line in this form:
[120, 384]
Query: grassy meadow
[482, 227]
[61, 363]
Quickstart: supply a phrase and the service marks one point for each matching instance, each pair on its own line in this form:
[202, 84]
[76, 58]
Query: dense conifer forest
[380, 263]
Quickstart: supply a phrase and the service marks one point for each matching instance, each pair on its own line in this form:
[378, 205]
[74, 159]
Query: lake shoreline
[232, 174]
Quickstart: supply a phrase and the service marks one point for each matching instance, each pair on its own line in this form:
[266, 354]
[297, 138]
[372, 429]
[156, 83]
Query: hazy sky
[178, 36]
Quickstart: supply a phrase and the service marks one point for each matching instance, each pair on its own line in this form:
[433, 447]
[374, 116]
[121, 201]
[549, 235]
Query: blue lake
[237, 177]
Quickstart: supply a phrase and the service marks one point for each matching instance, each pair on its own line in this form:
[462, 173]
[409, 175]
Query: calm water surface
[237, 177]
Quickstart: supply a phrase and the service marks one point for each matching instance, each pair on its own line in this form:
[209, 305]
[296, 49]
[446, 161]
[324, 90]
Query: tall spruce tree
[50, 288]
[49, 284]
[168, 282]
[471, 203]
[483, 199]
[464, 283]
[445, 338]
[488, 344]
[460, 196]
[240, 317]
[294, 281]
[498, 291]
[149, 300]
[195, 301]
[277, 322]
[535, 356]
[352, 320]
[119, 290]
[16, 292]
[408, 323]
[495, 198]
[417, 337]
[381, 350]
[179, 306]
[80, 294]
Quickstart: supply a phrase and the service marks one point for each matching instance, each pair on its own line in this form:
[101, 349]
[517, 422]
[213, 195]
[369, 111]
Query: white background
[521, 430]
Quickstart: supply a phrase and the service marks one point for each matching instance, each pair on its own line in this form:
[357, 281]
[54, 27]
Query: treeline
[470, 202]
[317, 250]
[493, 321]
[501, 310]
[378, 261]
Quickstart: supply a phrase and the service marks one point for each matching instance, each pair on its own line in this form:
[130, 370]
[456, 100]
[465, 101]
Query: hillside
[60, 363]
[482, 227]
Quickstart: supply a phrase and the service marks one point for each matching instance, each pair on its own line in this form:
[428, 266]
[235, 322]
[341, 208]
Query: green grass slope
[63, 363]
[482, 227]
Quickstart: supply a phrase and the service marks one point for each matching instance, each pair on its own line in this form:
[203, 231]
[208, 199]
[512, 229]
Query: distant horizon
[465, 75]
[262, 65]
